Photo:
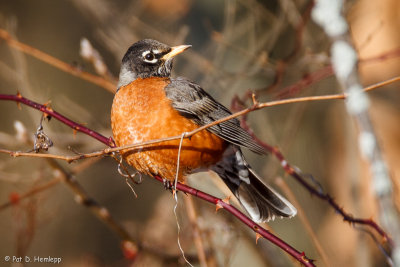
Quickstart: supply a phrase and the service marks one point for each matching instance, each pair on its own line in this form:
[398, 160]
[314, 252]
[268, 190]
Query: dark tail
[258, 199]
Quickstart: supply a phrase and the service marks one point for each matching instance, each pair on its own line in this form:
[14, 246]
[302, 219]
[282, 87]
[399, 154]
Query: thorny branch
[300, 256]
[108, 141]
[256, 105]
[316, 190]
[260, 231]
[344, 60]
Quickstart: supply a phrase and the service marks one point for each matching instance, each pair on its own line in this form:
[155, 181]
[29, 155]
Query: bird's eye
[149, 56]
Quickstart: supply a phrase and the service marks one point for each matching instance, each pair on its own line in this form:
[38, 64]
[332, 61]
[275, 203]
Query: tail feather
[258, 199]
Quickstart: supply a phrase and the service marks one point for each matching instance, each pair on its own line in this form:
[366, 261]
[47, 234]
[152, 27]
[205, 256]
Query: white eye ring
[149, 57]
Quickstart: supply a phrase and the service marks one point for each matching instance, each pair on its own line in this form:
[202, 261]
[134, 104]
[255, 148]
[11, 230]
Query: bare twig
[49, 111]
[316, 189]
[104, 215]
[302, 216]
[108, 141]
[16, 198]
[99, 211]
[344, 62]
[300, 256]
[382, 57]
[259, 230]
[282, 65]
[100, 81]
[198, 240]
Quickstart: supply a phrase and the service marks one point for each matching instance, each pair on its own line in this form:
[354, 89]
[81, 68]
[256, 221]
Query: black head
[148, 58]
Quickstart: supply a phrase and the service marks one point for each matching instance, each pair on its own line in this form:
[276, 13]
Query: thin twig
[344, 59]
[316, 190]
[283, 64]
[78, 127]
[82, 197]
[302, 216]
[286, 166]
[49, 111]
[108, 141]
[100, 212]
[198, 240]
[55, 62]
[300, 256]
[19, 197]
[382, 57]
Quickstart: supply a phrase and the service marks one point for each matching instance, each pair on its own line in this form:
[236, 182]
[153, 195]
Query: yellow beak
[175, 50]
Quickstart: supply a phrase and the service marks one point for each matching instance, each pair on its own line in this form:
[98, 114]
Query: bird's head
[148, 58]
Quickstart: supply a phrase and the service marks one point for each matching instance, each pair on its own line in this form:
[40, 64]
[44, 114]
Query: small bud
[21, 134]
[86, 49]
[104, 213]
[14, 198]
[92, 55]
[129, 250]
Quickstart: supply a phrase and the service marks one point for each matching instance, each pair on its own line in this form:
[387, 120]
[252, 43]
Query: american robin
[149, 105]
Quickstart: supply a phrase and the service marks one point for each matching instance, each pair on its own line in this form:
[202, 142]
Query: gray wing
[192, 102]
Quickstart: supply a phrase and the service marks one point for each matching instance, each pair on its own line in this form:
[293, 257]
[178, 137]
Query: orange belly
[142, 112]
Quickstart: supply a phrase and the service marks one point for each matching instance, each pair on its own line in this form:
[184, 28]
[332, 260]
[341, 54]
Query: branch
[128, 246]
[197, 233]
[49, 111]
[260, 231]
[300, 256]
[382, 57]
[344, 62]
[282, 65]
[55, 62]
[99, 211]
[318, 192]
[327, 71]
[108, 141]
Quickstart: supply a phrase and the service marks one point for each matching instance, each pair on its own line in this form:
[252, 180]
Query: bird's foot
[168, 185]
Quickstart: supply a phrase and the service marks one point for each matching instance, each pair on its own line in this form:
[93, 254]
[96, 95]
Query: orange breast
[142, 112]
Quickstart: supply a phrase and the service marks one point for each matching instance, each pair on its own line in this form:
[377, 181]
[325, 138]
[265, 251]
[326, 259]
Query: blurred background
[269, 47]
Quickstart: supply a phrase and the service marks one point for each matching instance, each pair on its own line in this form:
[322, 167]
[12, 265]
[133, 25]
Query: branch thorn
[258, 236]
[218, 206]
[226, 200]
[255, 101]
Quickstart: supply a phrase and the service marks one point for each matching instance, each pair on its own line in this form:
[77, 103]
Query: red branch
[297, 175]
[299, 256]
[307, 80]
[49, 111]
[382, 57]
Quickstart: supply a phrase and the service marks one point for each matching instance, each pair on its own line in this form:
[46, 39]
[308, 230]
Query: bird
[150, 104]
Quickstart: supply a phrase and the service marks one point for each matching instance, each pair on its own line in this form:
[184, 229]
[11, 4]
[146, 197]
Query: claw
[168, 185]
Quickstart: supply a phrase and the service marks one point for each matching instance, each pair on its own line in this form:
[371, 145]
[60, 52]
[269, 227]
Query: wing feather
[191, 101]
